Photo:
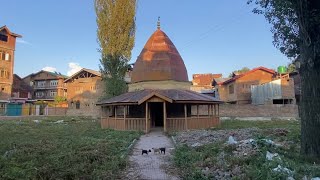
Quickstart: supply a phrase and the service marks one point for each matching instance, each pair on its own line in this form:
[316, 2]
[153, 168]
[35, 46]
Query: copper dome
[159, 60]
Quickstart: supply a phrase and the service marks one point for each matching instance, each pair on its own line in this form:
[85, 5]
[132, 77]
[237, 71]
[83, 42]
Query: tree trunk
[310, 76]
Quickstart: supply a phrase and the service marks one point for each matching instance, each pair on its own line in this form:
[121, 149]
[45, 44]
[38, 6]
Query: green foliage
[291, 68]
[116, 33]
[113, 70]
[59, 99]
[116, 26]
[240, 71]
[75, 149]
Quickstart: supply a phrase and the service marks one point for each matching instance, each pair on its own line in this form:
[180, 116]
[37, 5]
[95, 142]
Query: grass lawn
[75, 149]
[219, 156]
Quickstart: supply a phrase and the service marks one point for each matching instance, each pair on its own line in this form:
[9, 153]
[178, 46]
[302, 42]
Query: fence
[32, 110]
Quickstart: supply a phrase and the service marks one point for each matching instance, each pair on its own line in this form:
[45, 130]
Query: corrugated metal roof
[249, 72]
[174, 95]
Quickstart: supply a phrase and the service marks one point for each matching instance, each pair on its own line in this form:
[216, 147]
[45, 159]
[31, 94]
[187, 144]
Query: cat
[156, 150]
[163, 149]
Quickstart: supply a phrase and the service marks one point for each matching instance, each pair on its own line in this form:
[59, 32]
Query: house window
[231, 89]
[39, 94]
[7, 57]
[41, 83]
[78, 104]
[54, 83]
[78, 90]
[93, 88]
[3, 38]
[52, 93]
[4, 73]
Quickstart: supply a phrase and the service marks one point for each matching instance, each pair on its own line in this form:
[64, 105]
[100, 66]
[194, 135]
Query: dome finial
[158, 23]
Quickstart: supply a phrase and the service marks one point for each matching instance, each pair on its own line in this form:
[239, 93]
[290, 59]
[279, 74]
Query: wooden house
[237, 90]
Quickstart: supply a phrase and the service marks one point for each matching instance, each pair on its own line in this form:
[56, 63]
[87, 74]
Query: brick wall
[87, 91]
[249, 110]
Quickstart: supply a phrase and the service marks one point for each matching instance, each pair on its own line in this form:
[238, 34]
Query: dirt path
[151, 166]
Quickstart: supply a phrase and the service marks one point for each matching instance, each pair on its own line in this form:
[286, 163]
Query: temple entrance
[156, 114]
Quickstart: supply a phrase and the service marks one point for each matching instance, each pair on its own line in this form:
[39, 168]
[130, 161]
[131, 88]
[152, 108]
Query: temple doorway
[156, 114]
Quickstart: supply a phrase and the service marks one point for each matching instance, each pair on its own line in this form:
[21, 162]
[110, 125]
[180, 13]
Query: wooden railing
[123, 124]
[173, 124]
[178, 124]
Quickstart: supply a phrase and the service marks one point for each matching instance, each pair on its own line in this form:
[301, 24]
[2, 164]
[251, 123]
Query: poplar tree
[116, 33]
[296, 29]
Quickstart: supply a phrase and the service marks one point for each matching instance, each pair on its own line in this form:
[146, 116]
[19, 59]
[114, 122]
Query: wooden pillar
[185, 117]
[147, 117]
[215, 110]
[124, 116]
[212, 110]
[198, 111]
[115, 118]
[218, 110]
[164, 117]
[209, 110]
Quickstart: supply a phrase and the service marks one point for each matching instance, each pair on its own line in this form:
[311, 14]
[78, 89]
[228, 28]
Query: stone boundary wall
[250, 110]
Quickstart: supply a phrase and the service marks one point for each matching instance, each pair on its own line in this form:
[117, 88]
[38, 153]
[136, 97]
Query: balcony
[48, 87]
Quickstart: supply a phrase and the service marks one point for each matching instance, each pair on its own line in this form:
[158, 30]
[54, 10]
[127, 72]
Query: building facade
[85, 88]
[237, 90]
[47, 85]
[21, 89]
[7, 50]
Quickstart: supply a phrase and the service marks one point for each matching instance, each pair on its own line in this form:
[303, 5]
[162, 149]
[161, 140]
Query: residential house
[47, 85]
[278, 91]
[21, 89]
[84, 89]
[203, 83]
[7, 49]
[237, 90]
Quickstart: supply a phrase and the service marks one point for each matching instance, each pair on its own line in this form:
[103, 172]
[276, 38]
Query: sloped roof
[57, 74]
[169, 95]
[204, 79]
[96, 73]
[159, 60]
[9, 32]
[221, 80]
[22, 86]
[249, 72]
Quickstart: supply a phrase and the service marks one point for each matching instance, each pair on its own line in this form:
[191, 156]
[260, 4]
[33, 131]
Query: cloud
[21, 41]
[50, 69]
[73, 68]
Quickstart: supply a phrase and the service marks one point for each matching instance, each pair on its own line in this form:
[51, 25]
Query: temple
[159, 94]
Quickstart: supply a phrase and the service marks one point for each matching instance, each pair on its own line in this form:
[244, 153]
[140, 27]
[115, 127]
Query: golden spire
[158, 23]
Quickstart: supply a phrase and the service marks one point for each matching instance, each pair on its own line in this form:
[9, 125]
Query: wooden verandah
[123, 121]
[173, 110]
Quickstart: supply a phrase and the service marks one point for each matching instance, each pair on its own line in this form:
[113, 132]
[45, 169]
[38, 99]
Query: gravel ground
[151, 166]
[199, 137]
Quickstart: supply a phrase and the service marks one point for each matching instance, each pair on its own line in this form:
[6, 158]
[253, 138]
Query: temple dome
[159, 60]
